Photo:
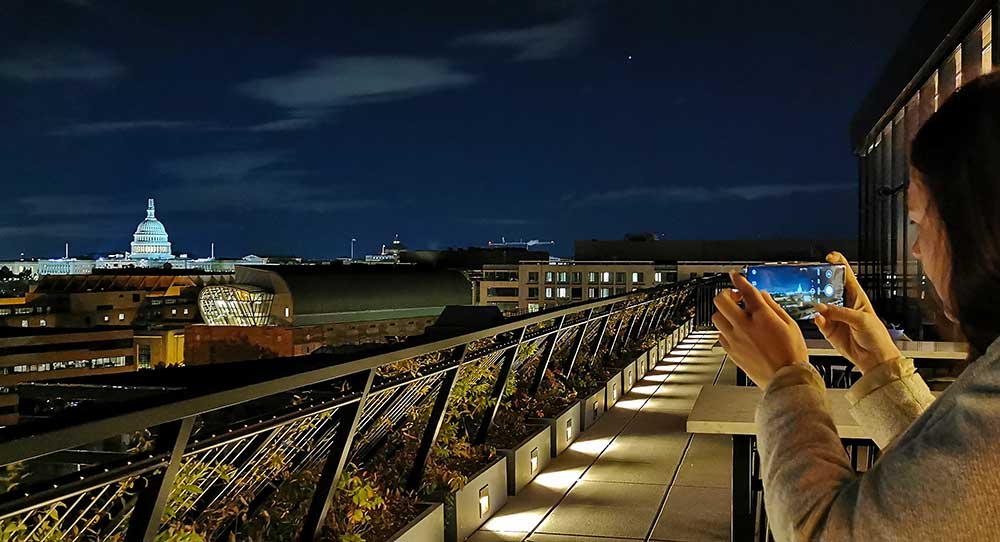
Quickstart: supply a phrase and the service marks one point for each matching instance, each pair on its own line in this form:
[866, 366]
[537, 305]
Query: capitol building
[150, 248]
[150, 239]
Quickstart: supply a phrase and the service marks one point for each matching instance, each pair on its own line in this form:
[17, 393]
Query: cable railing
[198, 448]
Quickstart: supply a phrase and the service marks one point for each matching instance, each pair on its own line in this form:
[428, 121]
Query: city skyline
[297, 129]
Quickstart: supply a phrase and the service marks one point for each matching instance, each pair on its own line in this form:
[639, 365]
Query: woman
[939, 474]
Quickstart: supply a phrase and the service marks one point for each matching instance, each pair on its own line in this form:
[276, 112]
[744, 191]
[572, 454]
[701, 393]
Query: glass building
[951, 42]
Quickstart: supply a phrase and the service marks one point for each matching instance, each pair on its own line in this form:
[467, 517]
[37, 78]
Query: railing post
[618, 331]
[340, 449]
[645, 317]
[631, 326]
[600, 334]
[578, 343]
[435, 421]
[497, 396]
[144, 522]
[543, 363]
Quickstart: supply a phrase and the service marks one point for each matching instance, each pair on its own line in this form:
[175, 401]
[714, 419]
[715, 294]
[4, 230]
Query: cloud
[702, 194]
[62, 230]
[251, 180]
[225, 166]
[498, 221]
[541, 42]
[69, 205]
[344, 81]
[100, 128]
[60, 64]
[285, 125]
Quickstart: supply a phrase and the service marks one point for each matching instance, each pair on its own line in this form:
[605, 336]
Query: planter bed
[565, 427]
[426, 527]
[467, 509]
[642, 367]
[528, 458]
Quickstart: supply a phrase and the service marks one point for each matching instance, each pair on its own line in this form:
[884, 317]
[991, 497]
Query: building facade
[950, 43]
[37, 355]
[532, 286]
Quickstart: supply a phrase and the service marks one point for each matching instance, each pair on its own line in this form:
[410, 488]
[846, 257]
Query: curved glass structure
[235, 305]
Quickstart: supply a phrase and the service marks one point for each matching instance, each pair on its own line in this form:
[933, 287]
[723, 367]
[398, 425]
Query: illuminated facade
[235, 305]
[150, 239]
[951, 43]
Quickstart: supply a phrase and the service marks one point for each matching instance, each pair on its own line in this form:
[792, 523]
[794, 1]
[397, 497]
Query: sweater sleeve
[888, 399]
[937, 483]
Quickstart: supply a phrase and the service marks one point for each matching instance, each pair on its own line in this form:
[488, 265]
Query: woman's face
[930, 244]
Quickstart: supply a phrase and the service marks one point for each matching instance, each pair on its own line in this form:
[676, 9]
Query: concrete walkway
[636, 474]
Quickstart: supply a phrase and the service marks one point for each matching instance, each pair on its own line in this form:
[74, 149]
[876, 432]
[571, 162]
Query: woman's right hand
[854, 329]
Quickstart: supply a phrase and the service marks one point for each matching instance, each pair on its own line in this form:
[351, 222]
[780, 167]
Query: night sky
[290, 127]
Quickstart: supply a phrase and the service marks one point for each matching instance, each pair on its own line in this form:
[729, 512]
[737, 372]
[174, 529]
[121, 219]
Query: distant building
[36, 355]
[950, 43]
[531, 286]
[294, 310]
[156, 303]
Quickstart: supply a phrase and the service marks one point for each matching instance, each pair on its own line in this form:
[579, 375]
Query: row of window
[6, 311]
[606, 277]
[96, 363]
[576, 293]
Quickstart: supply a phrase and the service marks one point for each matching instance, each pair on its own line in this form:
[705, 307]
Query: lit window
[592, 276]
[288, 312]
[549, 276]
[173, 312]
[107, 318]
[24, 323]
[562, 292]
[606, 276]
[548, 293]
[605, 292]
[42, 322]
[121, 316]
[958, 67]
[591, 293]
[658, 277]
[185, 311]
[987, 31]
[563, 276]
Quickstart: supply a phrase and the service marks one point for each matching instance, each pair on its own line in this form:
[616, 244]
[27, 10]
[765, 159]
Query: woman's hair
[957, 152]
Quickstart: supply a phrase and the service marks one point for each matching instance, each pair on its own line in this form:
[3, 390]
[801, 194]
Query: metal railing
[199, 445]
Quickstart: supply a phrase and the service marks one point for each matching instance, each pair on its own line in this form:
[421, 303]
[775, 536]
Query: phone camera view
[798, 288]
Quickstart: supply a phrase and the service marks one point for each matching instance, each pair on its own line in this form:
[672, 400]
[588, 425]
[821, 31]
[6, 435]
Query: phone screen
[799, 287]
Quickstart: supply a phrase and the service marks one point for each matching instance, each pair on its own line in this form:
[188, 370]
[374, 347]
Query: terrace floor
[636, 474]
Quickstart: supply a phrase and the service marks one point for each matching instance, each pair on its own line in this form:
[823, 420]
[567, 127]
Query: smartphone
[798, 287]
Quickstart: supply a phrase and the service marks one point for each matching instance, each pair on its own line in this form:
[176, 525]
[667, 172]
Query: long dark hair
[957, 152]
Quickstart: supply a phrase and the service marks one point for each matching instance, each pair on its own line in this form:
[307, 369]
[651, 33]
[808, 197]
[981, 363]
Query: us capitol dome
[150, 238]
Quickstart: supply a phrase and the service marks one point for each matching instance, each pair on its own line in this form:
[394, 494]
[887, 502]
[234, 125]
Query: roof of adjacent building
[127, 280]
[334, 288]
[922, 49]
[662, 251]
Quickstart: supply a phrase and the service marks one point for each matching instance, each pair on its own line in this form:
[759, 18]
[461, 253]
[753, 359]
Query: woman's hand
[855, 330]
[761, 337]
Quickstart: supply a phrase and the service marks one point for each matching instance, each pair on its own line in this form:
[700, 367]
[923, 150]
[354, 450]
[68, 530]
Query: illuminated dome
[150, 239]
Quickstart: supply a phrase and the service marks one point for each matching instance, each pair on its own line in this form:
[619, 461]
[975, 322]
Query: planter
[592, 407]
[613, 390]
[426, 527]
[467, 509]
[565, 427]
[527, 459]
[642, 366]
[629, 373]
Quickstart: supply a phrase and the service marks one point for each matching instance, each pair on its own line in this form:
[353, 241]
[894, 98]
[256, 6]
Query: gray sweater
[939, 474]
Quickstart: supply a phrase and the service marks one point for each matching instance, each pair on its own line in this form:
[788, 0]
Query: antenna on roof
[213, 250]
[67, 251]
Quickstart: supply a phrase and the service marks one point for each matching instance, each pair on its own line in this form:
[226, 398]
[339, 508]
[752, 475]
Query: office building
[950, 43]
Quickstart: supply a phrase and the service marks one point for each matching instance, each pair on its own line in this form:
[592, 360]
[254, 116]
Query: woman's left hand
[761, 337]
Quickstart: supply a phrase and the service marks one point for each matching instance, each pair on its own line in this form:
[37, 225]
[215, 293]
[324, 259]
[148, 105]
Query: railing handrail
[71, 429]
